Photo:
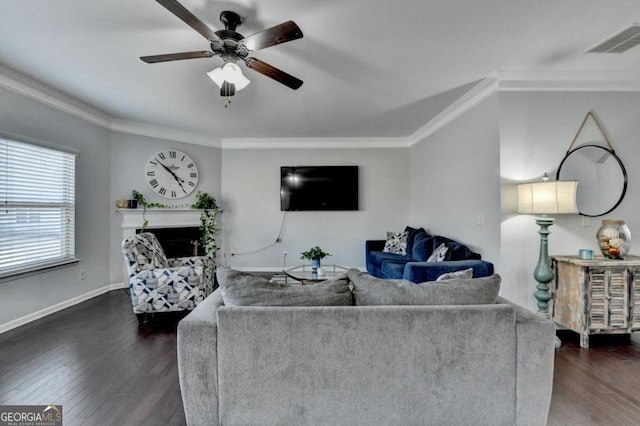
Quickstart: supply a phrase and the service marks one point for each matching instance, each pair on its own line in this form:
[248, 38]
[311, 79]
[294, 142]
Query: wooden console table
[600, 296]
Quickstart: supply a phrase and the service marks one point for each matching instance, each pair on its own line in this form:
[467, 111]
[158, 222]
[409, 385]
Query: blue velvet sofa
[413, 265]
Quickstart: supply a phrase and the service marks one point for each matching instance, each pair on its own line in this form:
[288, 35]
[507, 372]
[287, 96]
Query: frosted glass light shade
[229, 72]
[555, 197]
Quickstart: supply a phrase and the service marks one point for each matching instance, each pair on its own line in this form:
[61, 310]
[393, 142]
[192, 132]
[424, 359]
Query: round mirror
[601, 176]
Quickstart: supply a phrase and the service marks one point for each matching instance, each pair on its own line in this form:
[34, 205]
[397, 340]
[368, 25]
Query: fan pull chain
[227, 102]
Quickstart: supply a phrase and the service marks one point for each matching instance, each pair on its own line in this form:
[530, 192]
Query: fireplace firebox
[178, 242]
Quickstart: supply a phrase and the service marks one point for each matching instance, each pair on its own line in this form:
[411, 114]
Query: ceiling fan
[232, 47]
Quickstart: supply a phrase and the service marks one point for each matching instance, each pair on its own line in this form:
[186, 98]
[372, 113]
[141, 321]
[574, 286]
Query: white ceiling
[371, 68]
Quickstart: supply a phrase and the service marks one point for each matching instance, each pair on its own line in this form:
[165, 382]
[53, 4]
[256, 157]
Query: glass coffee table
[305, 275]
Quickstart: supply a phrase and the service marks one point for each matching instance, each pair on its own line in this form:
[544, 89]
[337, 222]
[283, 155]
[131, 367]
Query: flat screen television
[308, 188]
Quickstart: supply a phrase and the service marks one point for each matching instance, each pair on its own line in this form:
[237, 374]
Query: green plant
[208, 224]
[144, 203]
[314, 253]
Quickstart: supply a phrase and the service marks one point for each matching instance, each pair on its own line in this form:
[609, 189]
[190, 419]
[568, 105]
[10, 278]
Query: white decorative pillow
[396, 243]
[460, 275]
[438, 254]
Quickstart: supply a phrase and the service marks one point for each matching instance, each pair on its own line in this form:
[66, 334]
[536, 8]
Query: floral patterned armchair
[158, 284]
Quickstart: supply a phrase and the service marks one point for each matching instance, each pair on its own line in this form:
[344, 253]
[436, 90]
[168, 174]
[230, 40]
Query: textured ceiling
[371, 68]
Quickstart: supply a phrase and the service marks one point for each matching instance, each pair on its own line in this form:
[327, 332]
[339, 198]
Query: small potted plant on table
[315, 255]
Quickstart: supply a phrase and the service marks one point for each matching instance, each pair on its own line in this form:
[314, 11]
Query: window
[37, 196]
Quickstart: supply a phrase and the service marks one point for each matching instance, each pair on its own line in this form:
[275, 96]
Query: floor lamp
[542, 198]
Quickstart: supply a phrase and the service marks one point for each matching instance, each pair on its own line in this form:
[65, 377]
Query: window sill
[36, 270]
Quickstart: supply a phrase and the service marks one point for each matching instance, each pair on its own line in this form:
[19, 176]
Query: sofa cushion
[368, 290]
[396, 243]
[375, 259]
[419, 272]
[422, 246]
[413, 233]
[244, 289]
[392, 269]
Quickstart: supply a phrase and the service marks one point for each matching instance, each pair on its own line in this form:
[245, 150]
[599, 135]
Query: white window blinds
[37, 198]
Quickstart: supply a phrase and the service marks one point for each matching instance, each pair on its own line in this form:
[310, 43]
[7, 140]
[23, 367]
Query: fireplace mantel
[132, 219]
[158, 218]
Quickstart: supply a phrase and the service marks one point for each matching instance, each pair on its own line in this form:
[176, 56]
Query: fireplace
[175, 228]
[178, 242]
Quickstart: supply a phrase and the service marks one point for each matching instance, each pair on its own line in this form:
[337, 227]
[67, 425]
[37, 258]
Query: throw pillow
[244, 289]
[368, 290]
[396, 243]
[438, 254]
[464, 274]
[412, 234]
[422, 246]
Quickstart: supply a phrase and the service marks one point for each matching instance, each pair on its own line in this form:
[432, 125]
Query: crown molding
[30, 88]
[479, 93]
[314, 143]
[498, 81]
[568, 81]
[159, 132]
[534, 81]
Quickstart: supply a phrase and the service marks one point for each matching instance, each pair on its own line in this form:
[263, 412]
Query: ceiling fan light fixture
[227, 89]
[231, 73]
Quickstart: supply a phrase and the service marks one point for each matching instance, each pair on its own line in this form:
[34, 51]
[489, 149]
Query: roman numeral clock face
[171, 174]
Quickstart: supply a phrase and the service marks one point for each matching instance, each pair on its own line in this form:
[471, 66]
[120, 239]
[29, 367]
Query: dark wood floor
[599, 385]
[96, 362]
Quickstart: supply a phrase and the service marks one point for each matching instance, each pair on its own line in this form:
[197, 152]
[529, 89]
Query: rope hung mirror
[601, 176]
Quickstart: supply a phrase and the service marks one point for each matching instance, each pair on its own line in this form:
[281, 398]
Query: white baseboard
[58, 307]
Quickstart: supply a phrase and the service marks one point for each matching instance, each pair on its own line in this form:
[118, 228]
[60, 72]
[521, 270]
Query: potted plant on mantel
[315, 255]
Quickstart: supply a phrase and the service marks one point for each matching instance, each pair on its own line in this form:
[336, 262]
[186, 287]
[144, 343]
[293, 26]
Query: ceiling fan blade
[176, 56]
[287, 31]
[273, 72]
[189, 18]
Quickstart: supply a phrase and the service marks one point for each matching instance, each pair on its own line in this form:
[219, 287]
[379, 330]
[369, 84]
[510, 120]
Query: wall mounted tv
[306, 188]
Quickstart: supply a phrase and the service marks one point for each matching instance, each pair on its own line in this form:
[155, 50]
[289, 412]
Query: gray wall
[455, 176]
[252, 218]
[536, 131]
[458, 182]
[129, 154]
[33, 120]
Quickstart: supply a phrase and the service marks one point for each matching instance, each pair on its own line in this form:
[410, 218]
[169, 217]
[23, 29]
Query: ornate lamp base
[543, 273]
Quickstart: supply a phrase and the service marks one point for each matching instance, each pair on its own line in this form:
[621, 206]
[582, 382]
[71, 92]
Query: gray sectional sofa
[343, 355]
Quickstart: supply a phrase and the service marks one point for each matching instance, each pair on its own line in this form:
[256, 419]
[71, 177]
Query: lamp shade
[231, 73]
[553, 197]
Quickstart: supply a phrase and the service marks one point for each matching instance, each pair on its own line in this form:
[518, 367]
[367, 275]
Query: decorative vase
[315, 264]
[614, 239]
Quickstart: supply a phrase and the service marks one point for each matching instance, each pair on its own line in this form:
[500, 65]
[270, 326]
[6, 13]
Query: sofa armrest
[419, 272]
[197, 347]
[535, 360]
[374, 245]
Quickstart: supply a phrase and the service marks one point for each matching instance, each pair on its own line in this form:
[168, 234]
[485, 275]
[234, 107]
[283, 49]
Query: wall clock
[171, 174]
